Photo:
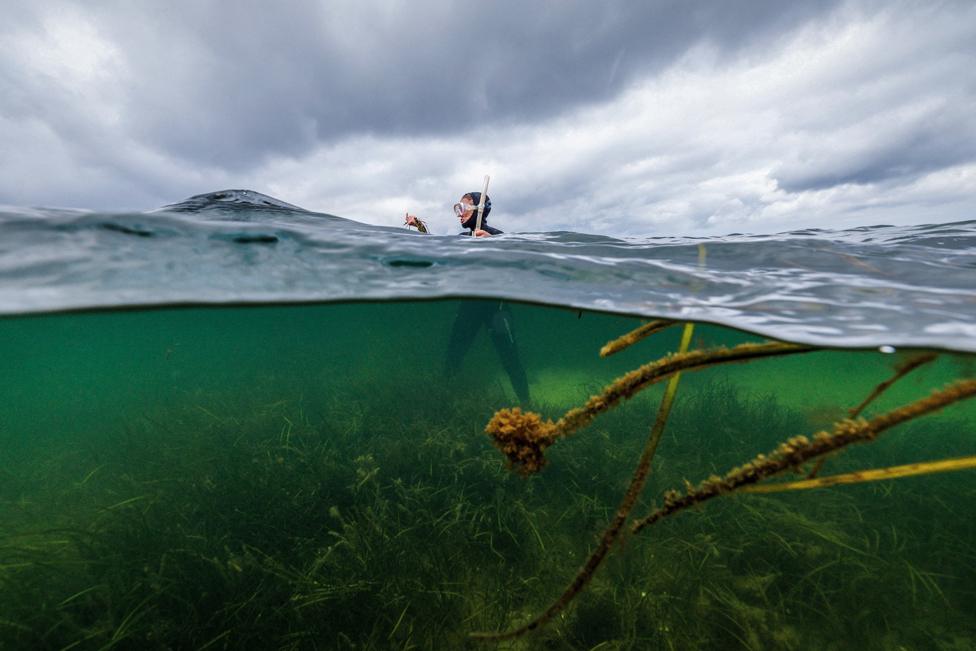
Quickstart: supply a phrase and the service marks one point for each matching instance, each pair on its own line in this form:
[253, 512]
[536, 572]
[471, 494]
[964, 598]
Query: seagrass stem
[862, 476]
[800, 449]
[635, 335]
[900, 371]
[523, 436]
[613, 530]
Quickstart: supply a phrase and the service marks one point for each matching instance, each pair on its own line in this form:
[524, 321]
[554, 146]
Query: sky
[621, 118]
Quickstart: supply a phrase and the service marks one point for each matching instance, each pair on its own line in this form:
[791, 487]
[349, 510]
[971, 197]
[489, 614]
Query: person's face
[466, 215]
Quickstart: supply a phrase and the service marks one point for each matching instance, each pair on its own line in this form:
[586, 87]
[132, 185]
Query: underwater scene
[320, 477]
[234, 423]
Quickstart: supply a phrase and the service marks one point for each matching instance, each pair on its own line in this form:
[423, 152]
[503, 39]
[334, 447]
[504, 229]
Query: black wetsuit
[485, 227]
[496, 316]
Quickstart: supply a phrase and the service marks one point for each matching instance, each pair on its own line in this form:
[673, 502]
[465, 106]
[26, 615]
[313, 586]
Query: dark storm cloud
[231, 83]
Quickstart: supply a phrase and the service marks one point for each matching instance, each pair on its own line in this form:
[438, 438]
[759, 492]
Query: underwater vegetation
[283, 500]
[523, 438]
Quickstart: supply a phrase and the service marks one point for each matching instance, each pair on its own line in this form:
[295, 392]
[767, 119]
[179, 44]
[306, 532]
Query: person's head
[467, 209]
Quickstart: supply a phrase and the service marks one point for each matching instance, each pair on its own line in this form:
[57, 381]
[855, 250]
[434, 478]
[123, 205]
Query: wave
[904, 286]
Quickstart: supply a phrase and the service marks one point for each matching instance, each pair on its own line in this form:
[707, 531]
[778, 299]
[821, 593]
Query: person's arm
[486, 231]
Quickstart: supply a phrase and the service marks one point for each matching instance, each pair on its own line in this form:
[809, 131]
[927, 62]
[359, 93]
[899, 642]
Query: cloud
[707, 145]
[229, 87]
[599, 117]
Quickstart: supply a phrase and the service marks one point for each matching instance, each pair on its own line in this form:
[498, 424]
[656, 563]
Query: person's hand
[482, 233]
[411, 220]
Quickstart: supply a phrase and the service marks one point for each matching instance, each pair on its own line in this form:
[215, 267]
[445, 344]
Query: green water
[306, 477]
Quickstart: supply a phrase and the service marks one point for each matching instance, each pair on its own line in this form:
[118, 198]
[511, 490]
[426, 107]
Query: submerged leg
[471, 315]
[503, 338]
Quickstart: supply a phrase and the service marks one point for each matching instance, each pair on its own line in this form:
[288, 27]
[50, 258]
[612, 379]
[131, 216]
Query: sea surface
[233, 423]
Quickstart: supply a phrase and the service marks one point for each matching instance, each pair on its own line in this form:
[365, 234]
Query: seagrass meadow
[307, 477]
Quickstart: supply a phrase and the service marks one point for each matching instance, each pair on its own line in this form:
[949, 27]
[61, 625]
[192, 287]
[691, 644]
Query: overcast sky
[622, 118]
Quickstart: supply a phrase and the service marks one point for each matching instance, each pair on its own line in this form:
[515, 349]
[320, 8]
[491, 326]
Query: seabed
[306, 478]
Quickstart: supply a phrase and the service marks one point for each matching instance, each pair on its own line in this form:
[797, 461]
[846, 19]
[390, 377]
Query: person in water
[467, 212]
[472, 315]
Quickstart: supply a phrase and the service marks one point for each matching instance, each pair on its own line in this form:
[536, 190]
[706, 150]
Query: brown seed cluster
[522, 438]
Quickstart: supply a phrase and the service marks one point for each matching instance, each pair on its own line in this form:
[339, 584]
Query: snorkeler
[467, 212]
[472, 315]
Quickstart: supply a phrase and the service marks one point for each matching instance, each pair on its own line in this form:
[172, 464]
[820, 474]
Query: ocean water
[232, 423]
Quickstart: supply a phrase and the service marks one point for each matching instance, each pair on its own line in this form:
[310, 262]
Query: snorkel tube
[481, 204]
